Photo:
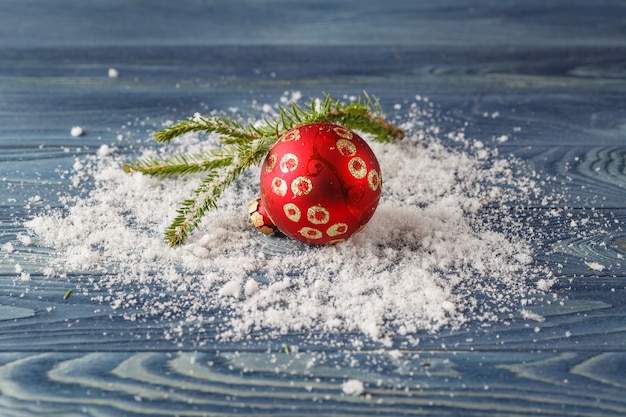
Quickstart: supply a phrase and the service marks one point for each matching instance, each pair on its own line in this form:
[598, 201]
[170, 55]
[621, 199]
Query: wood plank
[308, 384]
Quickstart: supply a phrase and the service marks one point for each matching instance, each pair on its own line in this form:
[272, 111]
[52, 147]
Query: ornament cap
[260, 219]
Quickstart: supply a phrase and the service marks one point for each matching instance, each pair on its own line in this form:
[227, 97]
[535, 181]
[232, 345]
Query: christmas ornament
[320, 182]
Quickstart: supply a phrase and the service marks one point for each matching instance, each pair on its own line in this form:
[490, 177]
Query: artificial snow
[595, 266]
[76, 131]
[444, 247]
[113, 73]
[7, 247]
[353, 387]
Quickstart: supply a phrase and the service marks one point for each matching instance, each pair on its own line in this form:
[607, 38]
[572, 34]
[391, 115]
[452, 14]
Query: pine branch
[244, 147]
[206, 196]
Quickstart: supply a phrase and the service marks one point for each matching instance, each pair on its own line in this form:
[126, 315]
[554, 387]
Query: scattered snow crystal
[353, 387]
[76, 131]
[105, 150]
[113, 73]
[595, 266]
[7, 247]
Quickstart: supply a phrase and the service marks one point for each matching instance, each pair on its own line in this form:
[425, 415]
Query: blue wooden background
[555, 68]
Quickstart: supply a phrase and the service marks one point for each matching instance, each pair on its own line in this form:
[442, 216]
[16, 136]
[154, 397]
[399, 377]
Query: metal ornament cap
[260, 218]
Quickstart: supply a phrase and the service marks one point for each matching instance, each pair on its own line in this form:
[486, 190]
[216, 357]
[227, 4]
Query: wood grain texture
[549, 75]
[206, 384]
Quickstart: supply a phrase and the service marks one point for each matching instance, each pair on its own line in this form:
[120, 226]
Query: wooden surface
[555, 69]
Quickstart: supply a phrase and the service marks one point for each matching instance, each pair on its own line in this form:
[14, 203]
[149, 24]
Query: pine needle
[179, 164]
[200, 123]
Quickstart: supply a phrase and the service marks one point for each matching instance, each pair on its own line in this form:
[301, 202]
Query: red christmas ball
[320, 183]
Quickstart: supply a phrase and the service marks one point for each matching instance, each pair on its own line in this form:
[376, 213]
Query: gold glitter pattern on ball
[357, 168]
[337, 229]
[373, 179]
[291, 135]
[270, 162]
[288, 163]
[343, 132]
[279, 186]
[346, 148]
[318, 215]
[310, 233]
[292, 212]
[301, 186]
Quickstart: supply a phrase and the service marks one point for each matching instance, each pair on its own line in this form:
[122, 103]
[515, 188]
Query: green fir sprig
[242, 147]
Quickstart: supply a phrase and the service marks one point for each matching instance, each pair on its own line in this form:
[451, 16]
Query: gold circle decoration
[270, 162]
[337, 229]
[343, 132]
[292, 212]
[310, 233]
[288, 162]
[318, 215]
[279, 186]
[293, 134]
[373, 179]
[357, 168]
[346, 148]
[301, 186]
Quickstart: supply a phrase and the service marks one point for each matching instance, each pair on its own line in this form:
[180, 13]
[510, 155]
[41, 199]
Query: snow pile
[444, 246]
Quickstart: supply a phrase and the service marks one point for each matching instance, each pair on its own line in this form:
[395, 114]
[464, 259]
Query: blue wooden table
[550, 76]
